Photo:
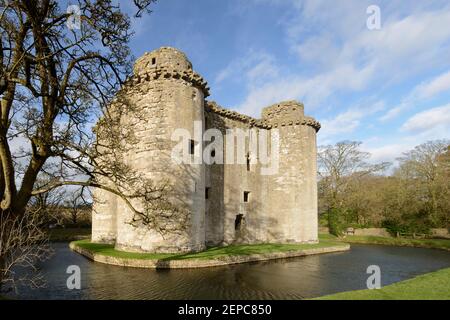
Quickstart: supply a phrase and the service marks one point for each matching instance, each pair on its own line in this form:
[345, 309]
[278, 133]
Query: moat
[296, 278]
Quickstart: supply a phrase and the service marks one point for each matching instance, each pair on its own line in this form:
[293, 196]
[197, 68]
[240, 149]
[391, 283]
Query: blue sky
[389, 88]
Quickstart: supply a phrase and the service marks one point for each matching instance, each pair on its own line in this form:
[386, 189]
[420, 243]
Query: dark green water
[296, 278]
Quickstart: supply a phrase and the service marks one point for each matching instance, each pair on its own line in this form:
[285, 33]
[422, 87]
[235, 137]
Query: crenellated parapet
[212, 106]
[285, 110]
[287, 113]
[283, 114]
[167, 63]
[161, 73]
[303, 121]
[162, 57]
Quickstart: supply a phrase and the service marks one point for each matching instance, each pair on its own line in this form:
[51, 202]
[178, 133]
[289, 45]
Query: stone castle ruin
[225, 203]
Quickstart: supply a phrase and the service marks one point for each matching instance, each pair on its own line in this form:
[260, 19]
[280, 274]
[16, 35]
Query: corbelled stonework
[278, 208]
[170, 63]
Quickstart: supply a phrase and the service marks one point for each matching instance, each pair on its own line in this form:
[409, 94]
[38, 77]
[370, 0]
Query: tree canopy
[59, 68]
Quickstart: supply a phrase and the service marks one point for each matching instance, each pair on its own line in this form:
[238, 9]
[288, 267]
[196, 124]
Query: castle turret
[165, 95]
[164, 57]
[291, 200]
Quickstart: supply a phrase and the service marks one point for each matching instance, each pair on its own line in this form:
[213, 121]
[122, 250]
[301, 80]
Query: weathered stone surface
[441, 232]
[282, 207]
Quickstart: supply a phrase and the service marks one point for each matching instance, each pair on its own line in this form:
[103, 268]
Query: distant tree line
[414, 198]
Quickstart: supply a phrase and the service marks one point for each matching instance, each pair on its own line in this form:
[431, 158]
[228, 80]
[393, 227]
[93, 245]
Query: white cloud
[308, 49]
[263, 70]
[436, 86]
[254, 67]
[425, 90]
[381, 151]
[436, 120]
[347, 57]
[391, 114]
[337, 58]
[424, 126]
[347, 122]
[410, 33]
[387, 152]
[405, 46]
[311, 91]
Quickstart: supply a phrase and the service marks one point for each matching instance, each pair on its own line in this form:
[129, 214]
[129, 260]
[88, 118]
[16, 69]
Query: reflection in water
[295, 278]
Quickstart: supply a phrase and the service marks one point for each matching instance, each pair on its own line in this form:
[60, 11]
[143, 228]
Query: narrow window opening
[213, 153]
[153, 60]
[238, 222]
[248, 161]
[207, 193]
[191, 147]
[246, 196]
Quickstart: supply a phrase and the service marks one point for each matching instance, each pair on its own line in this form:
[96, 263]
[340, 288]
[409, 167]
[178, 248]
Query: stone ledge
[199, 263]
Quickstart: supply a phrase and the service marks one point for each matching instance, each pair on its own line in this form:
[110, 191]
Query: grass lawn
[430, 286]
[423, 243]
[210, 253]
[69, 234]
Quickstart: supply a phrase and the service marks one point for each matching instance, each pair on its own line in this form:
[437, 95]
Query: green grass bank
[430, 286]
[210, 253]
[211, 257]
[69, 234]
[443, 244]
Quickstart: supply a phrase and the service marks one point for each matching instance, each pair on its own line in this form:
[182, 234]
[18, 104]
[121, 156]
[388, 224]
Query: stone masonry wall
[167, 94]
[281, 207]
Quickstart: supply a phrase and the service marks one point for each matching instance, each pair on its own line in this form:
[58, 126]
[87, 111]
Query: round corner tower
[164, 57]
[165, 95]
[292, 199]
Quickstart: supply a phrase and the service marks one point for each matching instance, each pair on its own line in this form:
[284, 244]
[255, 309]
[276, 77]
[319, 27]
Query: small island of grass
[214, 256]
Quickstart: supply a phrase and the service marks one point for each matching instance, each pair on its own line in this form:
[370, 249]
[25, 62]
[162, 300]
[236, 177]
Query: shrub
[409, 226]
[336, 223]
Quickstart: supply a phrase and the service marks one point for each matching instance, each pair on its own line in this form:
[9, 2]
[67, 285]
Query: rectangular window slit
[191, 147]
[246, 196]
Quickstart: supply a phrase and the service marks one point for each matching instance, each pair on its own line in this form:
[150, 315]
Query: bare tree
[415, 198]
[76, 204]
[426, 168]
[48, 204]
[341, 167]
[57, 78]
[23, 243]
